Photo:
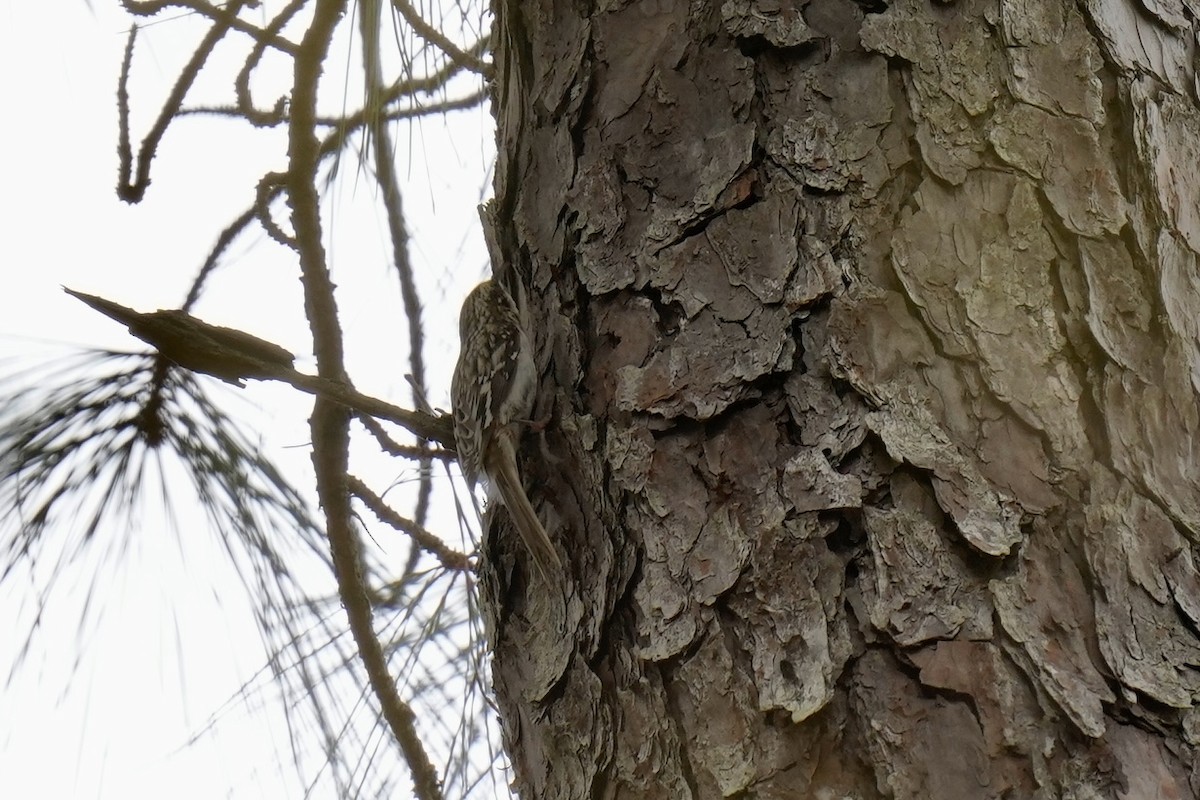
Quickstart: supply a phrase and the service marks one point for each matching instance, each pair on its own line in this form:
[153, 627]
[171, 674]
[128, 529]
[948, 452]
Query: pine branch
[235, 356]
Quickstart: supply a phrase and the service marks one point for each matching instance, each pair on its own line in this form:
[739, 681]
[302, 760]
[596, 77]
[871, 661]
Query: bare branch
[329, 421]
[124, 146]
[464, 59]
[224, 239]
[146, 8]
[385, 171]
[234, 356]
[413, 86]
[132, 191]
[269, 186]
[184, 340]
[263, 38]
[241, 83]
[394, 448]
[448, 557]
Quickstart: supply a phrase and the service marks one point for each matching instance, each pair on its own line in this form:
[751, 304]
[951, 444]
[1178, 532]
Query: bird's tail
[508, 483]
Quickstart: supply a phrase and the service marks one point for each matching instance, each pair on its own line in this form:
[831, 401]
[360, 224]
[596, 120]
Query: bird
[492, 393]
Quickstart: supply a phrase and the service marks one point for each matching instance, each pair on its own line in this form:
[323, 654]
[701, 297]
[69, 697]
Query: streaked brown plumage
[492, 392]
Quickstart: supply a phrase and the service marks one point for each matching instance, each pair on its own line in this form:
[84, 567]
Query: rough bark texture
[871, 331]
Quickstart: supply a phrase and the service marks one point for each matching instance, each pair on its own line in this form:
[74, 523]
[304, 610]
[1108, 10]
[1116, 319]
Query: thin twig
[132, 191]
[397, 450]
[241, 84]
[431, 34]
[447, 556]
[269, 186]
[380, 138]
[124, 146]
[224, 239]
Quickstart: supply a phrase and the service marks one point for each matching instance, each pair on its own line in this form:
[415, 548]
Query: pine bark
[870, 337]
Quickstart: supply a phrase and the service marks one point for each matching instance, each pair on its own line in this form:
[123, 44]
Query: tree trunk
[871, 334]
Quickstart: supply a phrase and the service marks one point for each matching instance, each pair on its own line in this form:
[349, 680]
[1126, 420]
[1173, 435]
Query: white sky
[176, 641]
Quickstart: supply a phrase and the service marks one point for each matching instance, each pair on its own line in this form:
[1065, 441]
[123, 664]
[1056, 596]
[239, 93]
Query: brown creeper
[493, 391]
